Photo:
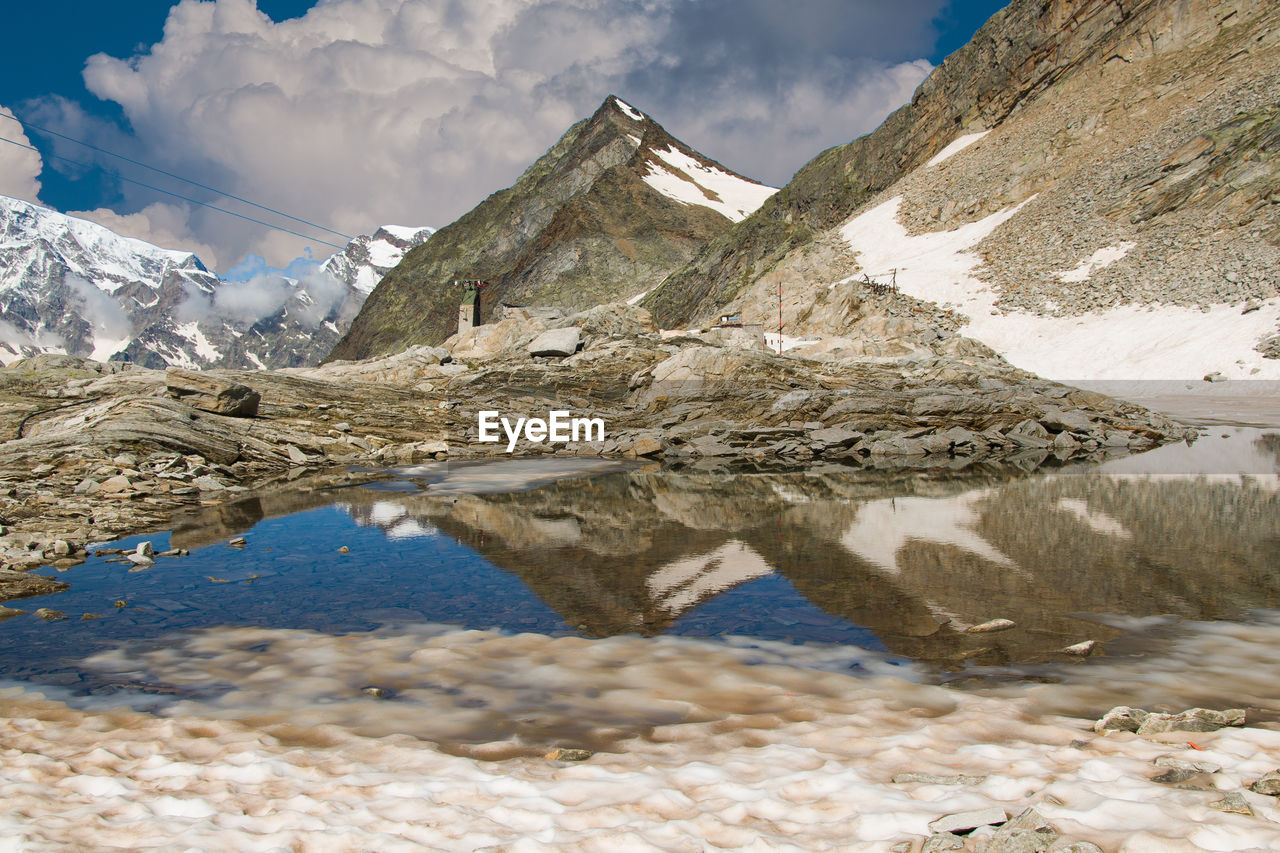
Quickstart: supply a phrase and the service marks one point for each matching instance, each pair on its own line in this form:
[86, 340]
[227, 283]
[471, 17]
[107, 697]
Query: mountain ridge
[605, 214]
[71, 285]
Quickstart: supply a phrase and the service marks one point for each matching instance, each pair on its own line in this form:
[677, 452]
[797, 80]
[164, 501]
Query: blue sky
[366, 112]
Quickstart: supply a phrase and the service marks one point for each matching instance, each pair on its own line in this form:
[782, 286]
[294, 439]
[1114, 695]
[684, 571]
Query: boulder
[964, 821]
[556, 342]
[1268, 784]
[1121, 718]
[212, 394]
[1072, 420]
[1194, 720]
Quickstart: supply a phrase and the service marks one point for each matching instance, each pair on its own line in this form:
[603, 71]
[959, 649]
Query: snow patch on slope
[1127, 342]
[1101, 259]
[958, 145]
[688, 181]
[628, 110]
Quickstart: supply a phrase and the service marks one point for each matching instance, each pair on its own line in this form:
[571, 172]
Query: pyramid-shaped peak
[614, 104]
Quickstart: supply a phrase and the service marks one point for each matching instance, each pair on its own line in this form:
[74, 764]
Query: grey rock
[557, 342]
[1067, 846]
[1194, 720]
[140, 560]
[1083, 649]
[963, 821]
[1071, 420]
[942, 841]
[1233, 803]
[1176, 776]
[212, 394]
[208, 484]
[835, 436]
[1177, 763]
[87, 486]
[1268, 784]
[115, 485]
[1122, 718]
[991, 626]
[61, 548]
[932, 779]
[1029, 832]
[145, 549]
[1116, 438]
[295, 455]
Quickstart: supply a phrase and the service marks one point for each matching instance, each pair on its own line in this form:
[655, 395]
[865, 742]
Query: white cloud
[104, 313]
[165, 225]
[309, 299]
[19, 167]
[364, 112]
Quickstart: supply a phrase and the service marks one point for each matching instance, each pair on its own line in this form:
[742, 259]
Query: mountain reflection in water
[900, 561]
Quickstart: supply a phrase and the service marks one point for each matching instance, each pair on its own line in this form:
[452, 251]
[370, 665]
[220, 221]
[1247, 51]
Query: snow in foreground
[704, 744]
[1127, 342]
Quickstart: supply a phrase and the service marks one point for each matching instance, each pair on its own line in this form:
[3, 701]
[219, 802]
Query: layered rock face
[1135, 137]
[606, 214]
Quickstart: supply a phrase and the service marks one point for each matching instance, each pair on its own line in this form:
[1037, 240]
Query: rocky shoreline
[96, 451]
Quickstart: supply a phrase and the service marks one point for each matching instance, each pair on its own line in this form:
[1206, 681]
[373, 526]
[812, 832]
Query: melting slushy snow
[684, 179]
[705, 745]
[1127, 342]
[958, 145]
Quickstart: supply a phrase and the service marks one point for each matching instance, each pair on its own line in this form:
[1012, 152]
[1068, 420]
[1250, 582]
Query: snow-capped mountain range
[70, 285]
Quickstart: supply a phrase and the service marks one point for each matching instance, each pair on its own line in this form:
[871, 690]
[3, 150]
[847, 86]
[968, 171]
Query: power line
[27, 124]
[175, 195]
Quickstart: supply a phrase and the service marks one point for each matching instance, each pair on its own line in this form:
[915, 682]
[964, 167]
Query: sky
[351, 114]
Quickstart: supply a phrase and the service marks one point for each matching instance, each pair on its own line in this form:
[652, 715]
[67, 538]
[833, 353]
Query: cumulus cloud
[165, 225]
[19, 167]
[363, 112]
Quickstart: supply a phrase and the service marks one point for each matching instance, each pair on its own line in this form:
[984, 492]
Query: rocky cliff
[606, 214]
[1102, 161]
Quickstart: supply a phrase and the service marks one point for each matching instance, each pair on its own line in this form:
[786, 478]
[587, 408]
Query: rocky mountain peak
[608, 212]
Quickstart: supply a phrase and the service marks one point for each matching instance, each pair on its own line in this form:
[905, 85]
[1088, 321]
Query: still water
[895, 567]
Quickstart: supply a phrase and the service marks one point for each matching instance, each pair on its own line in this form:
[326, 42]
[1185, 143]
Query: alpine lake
[977, 576]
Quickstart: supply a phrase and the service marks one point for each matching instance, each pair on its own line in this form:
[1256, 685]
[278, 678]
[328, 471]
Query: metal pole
[779, 316]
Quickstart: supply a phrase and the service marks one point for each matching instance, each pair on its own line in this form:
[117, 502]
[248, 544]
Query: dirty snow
[1123, 343]
[735, 744]
[688, 181]
[958, 145]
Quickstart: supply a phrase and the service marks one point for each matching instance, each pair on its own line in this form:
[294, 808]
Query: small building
[469, 307]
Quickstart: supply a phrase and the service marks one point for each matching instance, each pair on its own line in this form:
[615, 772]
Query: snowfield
[1130, 342]
[684, 179]
[779, 748]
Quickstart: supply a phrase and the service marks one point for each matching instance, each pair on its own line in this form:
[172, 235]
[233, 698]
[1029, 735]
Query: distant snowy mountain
[69, 285]
[367, 258]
